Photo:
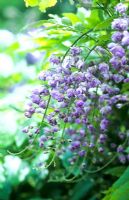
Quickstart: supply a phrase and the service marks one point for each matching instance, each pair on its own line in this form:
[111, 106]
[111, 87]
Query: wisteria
[78, 100]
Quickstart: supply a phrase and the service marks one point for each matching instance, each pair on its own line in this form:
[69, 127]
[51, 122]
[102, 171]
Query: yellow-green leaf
[31, 2]
[43, 5]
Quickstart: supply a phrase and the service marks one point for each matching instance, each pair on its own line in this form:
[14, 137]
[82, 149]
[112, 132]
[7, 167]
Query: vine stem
[72, 180]
[43, 118]
[106, 10]
[27, 148]
[80, 37]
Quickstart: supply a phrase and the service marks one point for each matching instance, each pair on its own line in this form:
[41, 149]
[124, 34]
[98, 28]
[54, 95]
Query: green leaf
[73, 17]
[122, 179]
[105, 24]
[127, 150]
[115, 171]
[81, 189]
[120, 189]
[5, 191]
[31, 2]
[122, 193]
[42, 4]
[125, 87]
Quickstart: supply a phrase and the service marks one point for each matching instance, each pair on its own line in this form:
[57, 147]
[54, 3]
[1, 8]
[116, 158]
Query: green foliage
[120, 189]
[81, 189]
[115, 171]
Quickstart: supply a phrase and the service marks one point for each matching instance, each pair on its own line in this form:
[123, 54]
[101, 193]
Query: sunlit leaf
[31, 2]
[43, 4]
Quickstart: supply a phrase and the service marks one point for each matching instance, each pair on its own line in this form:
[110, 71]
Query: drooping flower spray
[77, 102]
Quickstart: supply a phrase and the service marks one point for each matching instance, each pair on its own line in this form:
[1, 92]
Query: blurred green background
[14, 15]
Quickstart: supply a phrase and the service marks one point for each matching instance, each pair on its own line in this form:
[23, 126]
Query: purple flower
[30, 110]
[75, 145]
[94, 83]
[82, 133]
[105, 110]
[121, 136]
[119, 105]
[35, 99]
[41, 144]
[100, 49]
[120, 149]
[52, 83]
[122, 97]
[36, 91]
[118, 78]
[79, 103]
[126, 80]
[42, 76]
[125, 40]
[54, 60]
[114, 99]
[37, 130]
[43, 138]
[70, 93]
[88, 76]
[64, 104]
[104, 124]
[103, 98]
[91, 145]
[55, 129]
[120, 24]
[82, 153]
[57, 95]
[80, 64]
[101, 149]
[78, 121]
[117, 36]
[71, 131]
[121, 8]
[105, 87]
[25, 130]
[102, 138]
[111, 45]
[43, 91]
[103, 67]
[122, 158]
[28, 115]
[91, 127]
[115, 62]
[124, 61]
[42, 104]
[79, 91]
[75, 51]
[118, 51]
[87, 109]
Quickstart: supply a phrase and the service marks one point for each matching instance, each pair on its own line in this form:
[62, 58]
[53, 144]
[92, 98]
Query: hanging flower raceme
[77, 101]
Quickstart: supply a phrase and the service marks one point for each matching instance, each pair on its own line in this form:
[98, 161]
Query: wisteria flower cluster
[78, 100]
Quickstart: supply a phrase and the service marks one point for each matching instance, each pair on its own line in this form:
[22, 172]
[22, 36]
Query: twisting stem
[49, 98]
[106, 10]
[26, 148]
[80, 37]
